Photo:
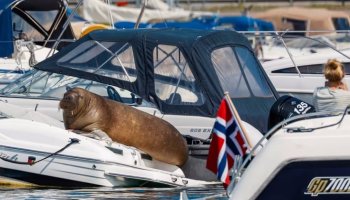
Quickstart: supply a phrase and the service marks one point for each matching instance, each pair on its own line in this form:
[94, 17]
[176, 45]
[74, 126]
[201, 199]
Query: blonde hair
[334, 70]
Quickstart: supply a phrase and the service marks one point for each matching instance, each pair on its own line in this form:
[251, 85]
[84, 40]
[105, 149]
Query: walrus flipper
[101, 135]
[96, 134]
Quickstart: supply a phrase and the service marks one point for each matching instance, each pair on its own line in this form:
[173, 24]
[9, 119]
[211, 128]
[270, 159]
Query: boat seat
[174, 98]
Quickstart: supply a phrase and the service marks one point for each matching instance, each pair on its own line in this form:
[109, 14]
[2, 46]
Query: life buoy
[92, 27]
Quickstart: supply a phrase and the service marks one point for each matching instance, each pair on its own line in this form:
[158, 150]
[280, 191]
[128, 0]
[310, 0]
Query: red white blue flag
[227, 141]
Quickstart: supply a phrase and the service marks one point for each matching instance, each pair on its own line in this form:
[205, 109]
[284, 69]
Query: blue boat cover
[238, 23]
[153, 59]
[129, 25]
[6, 45]
[244, 23]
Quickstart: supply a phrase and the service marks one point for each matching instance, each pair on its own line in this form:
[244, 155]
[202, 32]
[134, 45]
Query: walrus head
[71, 99]
[80, 109]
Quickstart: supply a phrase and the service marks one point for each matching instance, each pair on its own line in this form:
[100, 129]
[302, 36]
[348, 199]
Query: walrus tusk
[124, 124]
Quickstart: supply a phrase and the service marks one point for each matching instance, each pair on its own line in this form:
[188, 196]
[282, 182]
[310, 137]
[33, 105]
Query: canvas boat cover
[181, 71]
[6, 48]
[238, 23]
[304, 19]
[99, 12]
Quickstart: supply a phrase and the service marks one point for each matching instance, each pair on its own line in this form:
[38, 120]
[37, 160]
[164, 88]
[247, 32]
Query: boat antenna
[141, 14]
[280, 37]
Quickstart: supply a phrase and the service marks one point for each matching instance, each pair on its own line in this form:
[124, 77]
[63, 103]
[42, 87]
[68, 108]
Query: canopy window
[108, 59]
[174, 80]
[295, 25]
[21, 26]
[341, 23]
[239, 74]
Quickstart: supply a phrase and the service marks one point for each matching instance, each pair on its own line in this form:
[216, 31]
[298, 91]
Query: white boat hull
[89, 162]
[293, 164]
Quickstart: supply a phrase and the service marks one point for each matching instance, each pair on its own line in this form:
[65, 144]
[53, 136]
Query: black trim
[39, 179]
[66, 157]
[49, 181]
[146, 156]
[115, 150]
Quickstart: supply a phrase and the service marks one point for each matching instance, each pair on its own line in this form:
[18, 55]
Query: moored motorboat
[160, 66]
[306, 157]
[41, 154]
[168, 75]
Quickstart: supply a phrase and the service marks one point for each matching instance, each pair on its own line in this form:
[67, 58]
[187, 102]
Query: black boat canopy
[182, 71]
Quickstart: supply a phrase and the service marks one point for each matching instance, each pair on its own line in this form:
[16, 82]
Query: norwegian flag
[227, 141]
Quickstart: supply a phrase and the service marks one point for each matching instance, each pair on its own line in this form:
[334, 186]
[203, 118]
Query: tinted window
[347, 68]
[307, 69]
[45, 18]
[296, 25]
[20, 27]
[341, 23]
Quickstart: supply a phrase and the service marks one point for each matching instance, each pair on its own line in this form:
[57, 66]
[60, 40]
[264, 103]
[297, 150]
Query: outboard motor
[287, 106]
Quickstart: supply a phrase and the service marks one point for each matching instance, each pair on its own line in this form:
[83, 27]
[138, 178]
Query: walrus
[86, 111]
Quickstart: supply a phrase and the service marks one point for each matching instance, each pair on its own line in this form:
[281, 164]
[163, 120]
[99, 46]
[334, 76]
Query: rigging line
[65, 25]
[280, 37]
[138, 21]
[72, 141]
[55, 26]
[301, 129]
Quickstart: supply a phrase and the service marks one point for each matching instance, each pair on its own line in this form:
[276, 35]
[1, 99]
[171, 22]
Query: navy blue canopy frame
[196, 47]
[26, 6]
[24, 9]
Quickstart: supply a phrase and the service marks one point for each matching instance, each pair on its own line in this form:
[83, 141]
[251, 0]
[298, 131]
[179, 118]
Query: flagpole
[239, 121]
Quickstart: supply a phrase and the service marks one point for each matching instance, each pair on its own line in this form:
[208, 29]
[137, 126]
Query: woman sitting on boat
[334, 96]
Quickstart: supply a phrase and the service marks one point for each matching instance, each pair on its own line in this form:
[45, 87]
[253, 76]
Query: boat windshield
[270, 46]
[300, 60]
[43, 84]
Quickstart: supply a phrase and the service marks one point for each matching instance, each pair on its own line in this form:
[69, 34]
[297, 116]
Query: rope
[72, 141]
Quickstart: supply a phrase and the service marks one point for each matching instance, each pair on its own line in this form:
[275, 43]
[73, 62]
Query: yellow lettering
[317, 186]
